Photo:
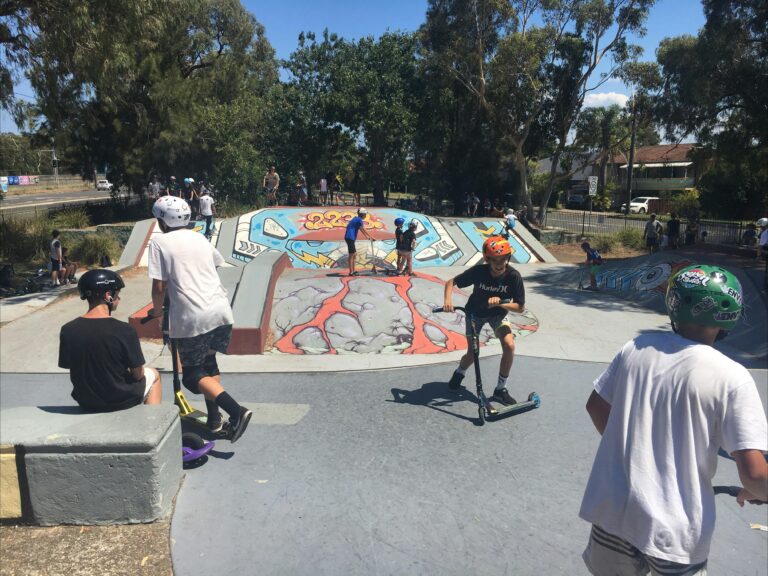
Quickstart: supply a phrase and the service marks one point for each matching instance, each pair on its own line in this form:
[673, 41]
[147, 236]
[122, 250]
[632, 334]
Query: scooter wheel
[533, 397]
[481, 413]
[192, 440]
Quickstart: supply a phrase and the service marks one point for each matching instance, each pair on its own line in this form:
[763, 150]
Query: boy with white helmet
[355, 225]
[182, 264]
[509, 222]
[664, 407]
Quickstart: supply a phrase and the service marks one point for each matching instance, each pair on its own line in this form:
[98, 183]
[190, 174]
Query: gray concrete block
[136, 243]
[110, 468]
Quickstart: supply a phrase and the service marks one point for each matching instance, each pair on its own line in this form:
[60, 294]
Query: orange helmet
[496, 246]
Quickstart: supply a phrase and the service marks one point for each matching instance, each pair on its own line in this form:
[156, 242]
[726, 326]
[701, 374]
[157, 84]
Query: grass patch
[73, 217]
[25, 239]
[89, 249]
[230, 208]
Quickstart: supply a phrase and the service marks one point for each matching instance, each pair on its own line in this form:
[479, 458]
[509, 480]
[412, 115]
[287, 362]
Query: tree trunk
[550, 184]
[520, 166]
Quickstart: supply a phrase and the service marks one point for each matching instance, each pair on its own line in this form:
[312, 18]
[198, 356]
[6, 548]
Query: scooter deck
[500, 411]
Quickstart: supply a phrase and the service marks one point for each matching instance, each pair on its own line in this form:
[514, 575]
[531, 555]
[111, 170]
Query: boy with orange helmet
[493, 283]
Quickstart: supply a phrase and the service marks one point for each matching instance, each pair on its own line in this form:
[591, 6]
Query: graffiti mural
[314, 237]
[328, 314]
[479, 232]
[652, 278]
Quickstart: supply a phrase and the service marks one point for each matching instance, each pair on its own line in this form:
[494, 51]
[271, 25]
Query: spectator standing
[691, 232]
[155, 188]
[173, 188]
[323, 191]
[207, 210]
[651, 233]
[301, 185]
[271, 184]
[56, 258]
[762, 240]
[486, 206]
[673, 231]
[356, 185]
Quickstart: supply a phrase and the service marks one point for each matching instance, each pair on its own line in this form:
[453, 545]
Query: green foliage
[687, 205]
[90, 248]
[230, 208]
[630, 238]
[605, 243]
[25, 239]
[77, 218]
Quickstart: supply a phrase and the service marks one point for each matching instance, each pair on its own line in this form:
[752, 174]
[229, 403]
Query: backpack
[594, 256]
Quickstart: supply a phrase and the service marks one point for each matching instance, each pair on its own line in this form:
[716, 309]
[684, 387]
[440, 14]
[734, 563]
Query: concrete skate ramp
[313, 237]
[643, 281]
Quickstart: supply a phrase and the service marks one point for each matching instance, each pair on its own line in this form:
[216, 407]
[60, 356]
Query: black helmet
[99, 282]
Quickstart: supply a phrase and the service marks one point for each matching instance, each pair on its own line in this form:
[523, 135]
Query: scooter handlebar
[461, 308]
[734, 491]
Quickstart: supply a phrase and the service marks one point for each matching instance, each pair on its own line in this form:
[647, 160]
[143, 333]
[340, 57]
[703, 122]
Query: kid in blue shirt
[356, 224]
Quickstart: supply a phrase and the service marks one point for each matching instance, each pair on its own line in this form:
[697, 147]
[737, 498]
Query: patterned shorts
[194, 350]
[495, 322]
[609, 555]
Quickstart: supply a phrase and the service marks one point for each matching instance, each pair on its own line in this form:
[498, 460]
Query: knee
[508, 343]
[192, 376]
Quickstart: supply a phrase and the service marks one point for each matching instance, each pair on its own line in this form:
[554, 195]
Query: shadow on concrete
[437, 396]
[63, 409]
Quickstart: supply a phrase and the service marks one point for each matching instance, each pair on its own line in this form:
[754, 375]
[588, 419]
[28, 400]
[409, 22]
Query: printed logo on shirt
[499, 289]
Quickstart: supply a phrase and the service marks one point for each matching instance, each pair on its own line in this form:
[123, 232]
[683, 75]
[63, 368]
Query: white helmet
[413, 223]
[362, 211]
[510, 211]
[763, 222]
[172, 210]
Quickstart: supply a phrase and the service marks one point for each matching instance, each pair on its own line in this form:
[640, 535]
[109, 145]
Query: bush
[630, 238]
[25, 239]
[687, 205]
[77, 218]
[604, 243]
[230, 208]
[91, 247]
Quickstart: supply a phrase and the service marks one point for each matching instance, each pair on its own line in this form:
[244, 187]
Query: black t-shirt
[398, 238]
[673, 228]
[507, 286]
[409, 236]
[99, 352]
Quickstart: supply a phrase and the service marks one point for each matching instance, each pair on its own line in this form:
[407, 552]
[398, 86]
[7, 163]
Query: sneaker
[238, 427]
[455, 382]
[502, 397]
[216, 425]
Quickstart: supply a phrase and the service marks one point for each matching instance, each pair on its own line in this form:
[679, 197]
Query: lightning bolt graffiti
[319, 260]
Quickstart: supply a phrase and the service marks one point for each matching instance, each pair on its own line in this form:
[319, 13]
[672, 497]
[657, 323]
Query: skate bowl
[289, 295]
[643, 281]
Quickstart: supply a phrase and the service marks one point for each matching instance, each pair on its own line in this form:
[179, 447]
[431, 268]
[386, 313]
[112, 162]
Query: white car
[103, 185]
[638, 205]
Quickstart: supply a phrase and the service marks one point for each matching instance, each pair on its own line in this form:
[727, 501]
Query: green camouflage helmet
[706, 295]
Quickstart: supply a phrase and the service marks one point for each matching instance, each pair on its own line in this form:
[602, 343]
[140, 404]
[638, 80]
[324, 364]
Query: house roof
[661, 154]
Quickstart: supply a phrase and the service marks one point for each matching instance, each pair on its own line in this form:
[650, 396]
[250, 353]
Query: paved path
[383, 473]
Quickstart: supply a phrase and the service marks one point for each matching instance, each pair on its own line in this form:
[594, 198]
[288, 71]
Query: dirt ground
[129, 550]
[573, 254]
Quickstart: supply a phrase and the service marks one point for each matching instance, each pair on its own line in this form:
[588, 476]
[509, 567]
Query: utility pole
[630, 164]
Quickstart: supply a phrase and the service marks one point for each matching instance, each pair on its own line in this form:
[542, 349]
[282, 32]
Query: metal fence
[28, 212]
[591, 223]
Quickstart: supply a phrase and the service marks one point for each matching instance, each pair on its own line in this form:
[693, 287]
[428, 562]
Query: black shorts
[193, 351]
[55, 265]
[350, 245]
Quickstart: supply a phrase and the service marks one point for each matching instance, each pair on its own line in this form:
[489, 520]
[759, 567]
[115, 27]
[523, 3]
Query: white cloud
[605, 99]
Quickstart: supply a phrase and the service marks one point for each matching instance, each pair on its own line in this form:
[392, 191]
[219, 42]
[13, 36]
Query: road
[52, 198]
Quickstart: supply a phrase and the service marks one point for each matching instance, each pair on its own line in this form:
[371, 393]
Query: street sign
[593, 185]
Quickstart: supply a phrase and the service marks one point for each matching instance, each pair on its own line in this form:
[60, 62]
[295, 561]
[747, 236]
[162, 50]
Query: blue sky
[353, 19]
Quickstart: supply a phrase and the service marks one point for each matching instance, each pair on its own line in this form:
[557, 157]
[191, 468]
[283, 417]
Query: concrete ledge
[82, 468]
[136, 244]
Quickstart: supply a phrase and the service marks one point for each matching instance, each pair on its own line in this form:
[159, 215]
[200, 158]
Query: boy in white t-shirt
[664, 407]
[207, 210]
[183, 265]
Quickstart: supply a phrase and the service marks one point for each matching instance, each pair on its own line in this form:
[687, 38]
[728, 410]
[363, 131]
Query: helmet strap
[721, 335]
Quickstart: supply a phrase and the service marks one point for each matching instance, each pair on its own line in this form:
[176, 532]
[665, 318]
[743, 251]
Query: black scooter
[486, 410]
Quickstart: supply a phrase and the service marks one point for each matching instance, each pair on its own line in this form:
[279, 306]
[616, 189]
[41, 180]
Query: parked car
[578, 199]
[639, 205]
[103, 185]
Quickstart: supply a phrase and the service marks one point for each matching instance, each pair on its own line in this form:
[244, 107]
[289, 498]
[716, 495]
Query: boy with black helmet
[408, 243]
[493, 282]
[102, 354]
[664, 407]
[182, 264]
[399, 242]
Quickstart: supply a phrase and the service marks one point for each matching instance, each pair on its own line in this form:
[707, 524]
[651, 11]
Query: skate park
[358, 459]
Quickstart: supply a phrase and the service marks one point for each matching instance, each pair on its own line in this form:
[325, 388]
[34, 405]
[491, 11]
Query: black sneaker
[455, 382]
[502, 397]
[217, 425]
[238, 427]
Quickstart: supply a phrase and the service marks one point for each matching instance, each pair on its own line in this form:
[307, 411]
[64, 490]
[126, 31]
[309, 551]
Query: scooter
[486, 410]
[194, 447]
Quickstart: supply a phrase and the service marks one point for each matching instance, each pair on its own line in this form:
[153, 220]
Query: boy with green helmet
[664, 407]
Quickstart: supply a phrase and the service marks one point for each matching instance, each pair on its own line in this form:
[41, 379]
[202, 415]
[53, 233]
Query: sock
[213, 411]
[461, 371]
[228, 404]
[502, 382]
